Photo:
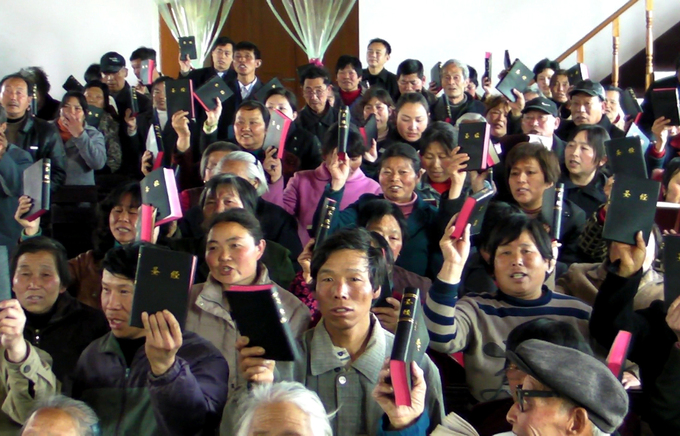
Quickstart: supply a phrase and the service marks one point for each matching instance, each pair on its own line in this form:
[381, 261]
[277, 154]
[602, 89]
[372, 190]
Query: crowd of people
[528, 319]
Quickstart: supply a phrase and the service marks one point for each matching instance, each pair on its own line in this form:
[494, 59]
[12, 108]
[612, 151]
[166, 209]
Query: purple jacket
[304, 190]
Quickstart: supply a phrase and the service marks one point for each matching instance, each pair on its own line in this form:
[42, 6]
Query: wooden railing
[613, 19]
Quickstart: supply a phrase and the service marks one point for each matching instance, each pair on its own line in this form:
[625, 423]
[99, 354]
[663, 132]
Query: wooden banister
[649, 46]
[615, 52]
[597, 29]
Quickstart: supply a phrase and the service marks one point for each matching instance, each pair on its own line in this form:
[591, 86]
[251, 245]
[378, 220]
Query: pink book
[146, 226]
[619, 352]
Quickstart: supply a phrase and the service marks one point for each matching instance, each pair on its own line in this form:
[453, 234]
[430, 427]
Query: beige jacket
[209, 316]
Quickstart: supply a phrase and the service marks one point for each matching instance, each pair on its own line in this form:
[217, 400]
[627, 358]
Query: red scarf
[63, 131]
[349, 97]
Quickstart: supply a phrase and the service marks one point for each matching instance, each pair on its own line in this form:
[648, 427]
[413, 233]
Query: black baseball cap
[112, 62]
[541, 104]
[589, 87]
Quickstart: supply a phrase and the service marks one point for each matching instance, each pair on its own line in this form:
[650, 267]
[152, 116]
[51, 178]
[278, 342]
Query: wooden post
[579, 55]
[615, 52]
[649, 65]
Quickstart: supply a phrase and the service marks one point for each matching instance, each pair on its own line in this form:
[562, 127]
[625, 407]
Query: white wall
[530, 29]
[66, 36]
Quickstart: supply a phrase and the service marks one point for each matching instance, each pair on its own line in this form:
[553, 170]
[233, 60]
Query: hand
[213, 116]
[477, 179]
[305, 261]
[141, 88]
[12, 322]
[662, 130]
[147, 162]
[73, 125]
[339, 170]
[272, 164]
[163, 340]
[629, 380]
[454, 167]
[388, 316]
[184, 65]
[130, 121]
[433, 88]
[673, 317]
[517, 106]
[669, 232]
[180, 123]
[631, 256]
[371, 154]
[401, 416]
[30, 227]
[253, 368]
[486, 86]
[455, 253]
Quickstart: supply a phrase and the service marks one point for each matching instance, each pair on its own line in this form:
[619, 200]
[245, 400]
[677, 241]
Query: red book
[146, 224]
[146, 71]
[619, 352]
[472, 212]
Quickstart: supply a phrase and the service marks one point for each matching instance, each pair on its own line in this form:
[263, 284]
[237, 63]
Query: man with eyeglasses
[587, 105]
[318, 115]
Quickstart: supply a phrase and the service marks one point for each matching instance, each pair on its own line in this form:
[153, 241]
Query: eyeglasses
[314, 92]
[522, 394]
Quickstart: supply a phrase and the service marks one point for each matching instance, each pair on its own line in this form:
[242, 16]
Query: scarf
[63, 131]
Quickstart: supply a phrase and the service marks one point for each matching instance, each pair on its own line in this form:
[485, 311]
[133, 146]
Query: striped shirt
[479, 324]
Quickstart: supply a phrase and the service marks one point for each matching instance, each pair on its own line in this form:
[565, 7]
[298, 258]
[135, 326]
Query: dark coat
[648, 115]
[589, 197]
[566, 128]
[42, 140]
[439, 111]
[12, 165]
[385, 80]
[131, 162]
[315, 124]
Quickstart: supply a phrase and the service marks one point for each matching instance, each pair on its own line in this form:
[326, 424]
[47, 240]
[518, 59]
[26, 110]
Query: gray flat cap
[581, 378]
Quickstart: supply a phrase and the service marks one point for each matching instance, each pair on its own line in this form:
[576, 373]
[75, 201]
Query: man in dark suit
[247, 60]
[587, 107]
[318, 115]
[377, 55]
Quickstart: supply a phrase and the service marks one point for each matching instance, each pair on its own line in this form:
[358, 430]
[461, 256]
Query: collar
[545, 298]
[249, 86]
[350, 97]
[368, 364]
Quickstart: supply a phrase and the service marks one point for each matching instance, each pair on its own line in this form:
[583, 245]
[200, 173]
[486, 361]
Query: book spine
[343, 132]
[406, 325]
[135, 103]
[284, 136]
[192, 107]
[327, 212]
[34, 101]
[46, 184]
[556, 227]
[463, 218]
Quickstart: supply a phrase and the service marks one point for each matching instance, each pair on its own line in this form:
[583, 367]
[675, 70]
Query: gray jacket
[12, 166]
[84, 154]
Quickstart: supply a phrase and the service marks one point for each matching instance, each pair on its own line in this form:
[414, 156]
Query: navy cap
[112, 62]
[541, 104]
[589, 87]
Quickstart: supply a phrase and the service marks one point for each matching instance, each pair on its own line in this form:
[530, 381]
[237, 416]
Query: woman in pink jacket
[304, 190]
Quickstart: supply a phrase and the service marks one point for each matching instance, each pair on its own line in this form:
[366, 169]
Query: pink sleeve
[291, 196]
[275, 193]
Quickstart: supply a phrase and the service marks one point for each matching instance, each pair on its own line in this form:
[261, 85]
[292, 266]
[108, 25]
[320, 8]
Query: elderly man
[318, 115]
[587, 106]
[283, 409]
[343, 354]
[455, 102]
[62, 416]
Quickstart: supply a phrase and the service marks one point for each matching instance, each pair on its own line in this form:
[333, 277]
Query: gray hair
[254, 170]
[83, 416]
[463, 67]
[598, 432]
[285, 392]
[216, 146]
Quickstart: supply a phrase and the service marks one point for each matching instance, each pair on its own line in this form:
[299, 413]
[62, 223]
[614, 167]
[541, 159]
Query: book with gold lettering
[519, 76]
[159, 189]
[37, 186]
[94, 116]
[277, 132]
[632, 206]
[179, 95]
[629, 104]
[187, 47]
[627, 157]
[214, 88]
[410, 342]
[671, 263]
[577, 73]
[5, 280]
[162, 282]
[344, 118]
[270, 328]
[473, 139]
[472, 213]
[261, 94]
[327, 211]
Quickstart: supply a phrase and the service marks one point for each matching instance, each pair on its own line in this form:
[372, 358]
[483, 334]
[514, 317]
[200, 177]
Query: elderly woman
[84, 145]
[234, 248]
[97, 95]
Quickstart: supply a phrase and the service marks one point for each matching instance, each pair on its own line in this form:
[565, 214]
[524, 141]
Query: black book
[134, 107]
[187, 46]
[214, 88]
[627, 157]
[159, 189]
[551, 209]
[146, 71]
[37, 186]
[473, 139]
[277, 132]
[629, 103]
[34, 101]
[487, 65]
[577, 73]
[671, 264]
[5, 280]
[507, 63]
[270, 328]
[72, 84]
[261, 94]
[326, 218]
[666, 104]
[369, 131]
[94, 116]
[435, 73]
[410, 342]
[518, 77]
[179, 96]
[473, 212]
[162, 282]
[548, 206]
[632, 207]
[344, 119]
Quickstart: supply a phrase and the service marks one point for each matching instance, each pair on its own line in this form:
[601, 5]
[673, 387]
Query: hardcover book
[435, 74]
[577, 73]
[269, 329]
[5, 279]
[344, 118]
[72, 84]
[134, 107]
[261, 94]
[277, 132]
[473, 139]
[518, 77]
[162, 282]
[667, 216]
[369, 131]
[616, 360]
[159, 189]
[327, 211]
[635, 132]
[666, 104]
[630, 105]
[94, 116]
[187, 46]
[626, 157]
[472, 213]
[487, 65]
[37, 186]
[632, 206]
[146, 71]
[179, 97]
[214, 88]
[671, 264]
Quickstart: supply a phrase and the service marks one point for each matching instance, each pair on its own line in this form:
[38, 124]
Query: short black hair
[246, 192]
[388, 47]
[75, 94]
[38, 76]
[558, 73]
[549, 330]
[373, 210]
[39, 244]
[315, 72]
[351, 239]
[101, 85]
[292, 100]
[355, 142]
[440, 132]
[254, 105]
[27, 80]
[547, 160]
[376, 92]
[159, 80]
[511, 228]
[242, 217]
[410, 66]
[222, 40]
[413, 97]
[122, 260]
[399, 149]
[543, 64]
[496, 212]
[92, 73]
[472, 75]
[103, 238]
[143, 54]
[248, 46]
[345, 60]
[596, 136]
